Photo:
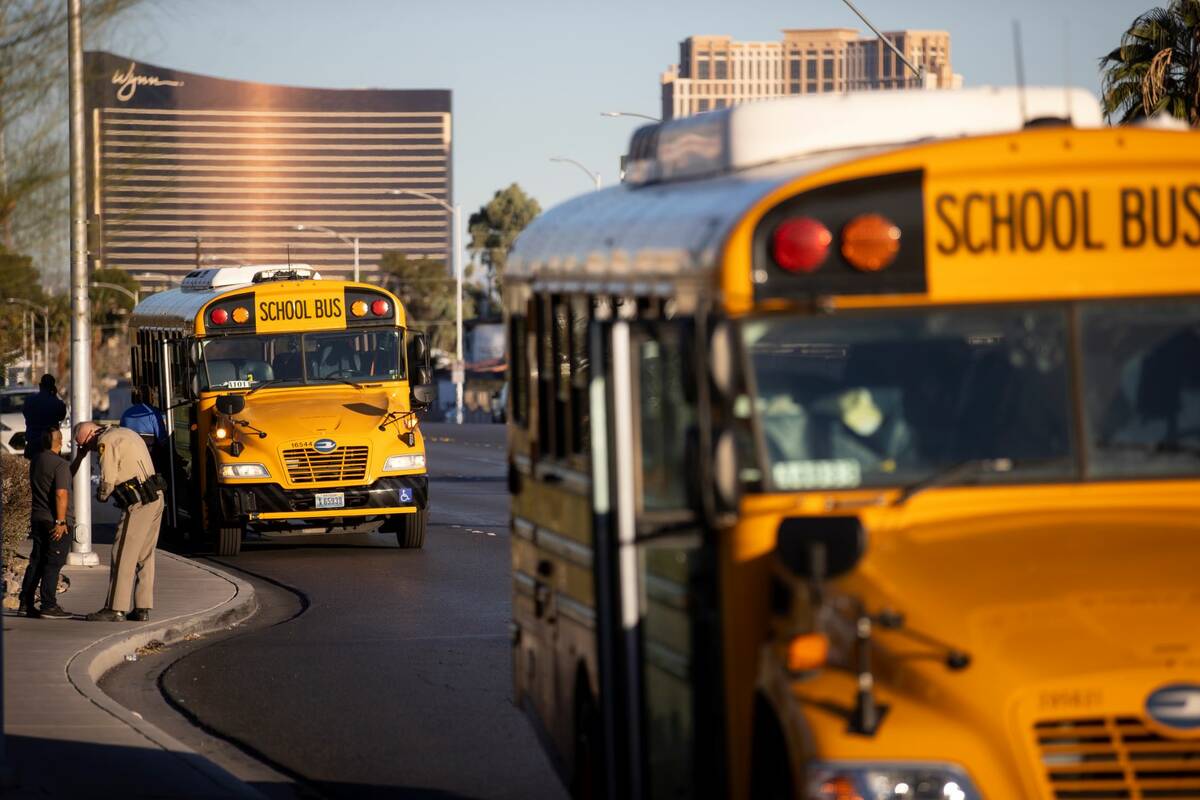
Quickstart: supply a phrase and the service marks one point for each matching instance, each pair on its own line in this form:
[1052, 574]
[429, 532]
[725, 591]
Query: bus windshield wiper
[963, 471]
[340, 379]
[264, 384]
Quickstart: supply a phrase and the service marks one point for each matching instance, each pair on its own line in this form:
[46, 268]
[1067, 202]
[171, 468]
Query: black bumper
[247, 501]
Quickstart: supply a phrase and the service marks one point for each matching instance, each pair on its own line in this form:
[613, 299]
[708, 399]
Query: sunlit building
[716, 71]
[187, 169]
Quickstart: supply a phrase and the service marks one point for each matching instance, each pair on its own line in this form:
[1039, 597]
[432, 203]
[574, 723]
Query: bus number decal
[833, 473]
[1062, 220]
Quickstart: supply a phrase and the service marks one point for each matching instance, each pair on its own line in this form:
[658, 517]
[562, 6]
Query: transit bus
[291, 404]
[854, 451]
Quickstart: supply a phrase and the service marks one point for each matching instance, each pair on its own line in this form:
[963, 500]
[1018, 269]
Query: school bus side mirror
[817, 548]
[424, 394]
[230, 404]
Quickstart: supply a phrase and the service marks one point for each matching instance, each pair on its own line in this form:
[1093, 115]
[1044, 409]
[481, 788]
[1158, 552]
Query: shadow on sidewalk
[87, 770]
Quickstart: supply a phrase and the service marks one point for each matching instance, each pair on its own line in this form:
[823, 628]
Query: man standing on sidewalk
[50, 497]
[43, 411]
[127, 474]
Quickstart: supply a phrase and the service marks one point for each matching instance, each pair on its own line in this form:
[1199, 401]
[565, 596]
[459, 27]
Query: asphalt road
[395, 680]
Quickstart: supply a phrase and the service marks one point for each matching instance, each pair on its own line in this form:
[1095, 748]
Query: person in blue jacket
[147, 421]
[44, 411]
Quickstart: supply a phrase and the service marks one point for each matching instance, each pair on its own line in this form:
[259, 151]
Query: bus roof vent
[208, 279]
[752, 134]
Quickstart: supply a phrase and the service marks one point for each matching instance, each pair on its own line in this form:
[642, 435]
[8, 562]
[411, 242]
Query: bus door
[656, 569]
[179, 412]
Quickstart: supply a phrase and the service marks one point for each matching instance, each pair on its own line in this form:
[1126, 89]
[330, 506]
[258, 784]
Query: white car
[12, 420]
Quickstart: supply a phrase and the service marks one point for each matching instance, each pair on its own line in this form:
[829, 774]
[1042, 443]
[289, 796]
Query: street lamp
[117, 288]
[353, 242]
[45, 312]
[595, 176]
[455, 212]
[629, 114]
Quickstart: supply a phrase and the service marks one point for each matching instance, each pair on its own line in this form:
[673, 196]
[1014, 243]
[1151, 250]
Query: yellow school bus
[291, 403]
[855, 453]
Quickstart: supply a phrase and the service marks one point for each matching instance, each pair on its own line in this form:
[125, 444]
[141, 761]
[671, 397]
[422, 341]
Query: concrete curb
[87, 666]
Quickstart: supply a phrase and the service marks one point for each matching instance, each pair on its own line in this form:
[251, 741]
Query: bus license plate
[330, 500]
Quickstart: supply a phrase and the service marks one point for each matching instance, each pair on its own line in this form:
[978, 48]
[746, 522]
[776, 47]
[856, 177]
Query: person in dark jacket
[50, 497]
[44, 411]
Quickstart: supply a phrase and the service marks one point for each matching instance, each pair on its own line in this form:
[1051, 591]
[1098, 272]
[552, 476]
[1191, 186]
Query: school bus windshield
[893, 398]
[245, 362]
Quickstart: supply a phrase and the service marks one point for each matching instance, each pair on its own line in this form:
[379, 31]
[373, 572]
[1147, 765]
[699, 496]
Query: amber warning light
[870, 242]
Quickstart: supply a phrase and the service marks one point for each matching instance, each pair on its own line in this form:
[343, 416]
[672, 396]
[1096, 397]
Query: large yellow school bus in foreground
[855, 453]
[291, 403]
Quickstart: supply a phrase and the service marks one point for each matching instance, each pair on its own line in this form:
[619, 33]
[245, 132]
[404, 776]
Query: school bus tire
[229, 539]
[410, 529]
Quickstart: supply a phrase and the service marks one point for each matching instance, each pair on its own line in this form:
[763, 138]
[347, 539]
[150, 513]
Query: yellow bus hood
[1037, 595]
[325, 411]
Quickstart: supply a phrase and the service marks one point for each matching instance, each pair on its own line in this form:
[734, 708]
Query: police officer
[127, 474]
[43, 411]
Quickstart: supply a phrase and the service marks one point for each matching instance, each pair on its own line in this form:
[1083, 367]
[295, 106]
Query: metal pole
[46, 340]
[356, 259]
[81, 329]
[456, 217]
[920, 73]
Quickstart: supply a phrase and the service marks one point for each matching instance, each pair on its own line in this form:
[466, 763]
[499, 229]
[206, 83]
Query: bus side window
[518, 370]
[545, 376]
[581, 317]
[665, 416]
[562, 377]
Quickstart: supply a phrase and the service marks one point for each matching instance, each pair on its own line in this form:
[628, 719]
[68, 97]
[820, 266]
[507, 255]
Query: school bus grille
[305, 465]
[1107, 758]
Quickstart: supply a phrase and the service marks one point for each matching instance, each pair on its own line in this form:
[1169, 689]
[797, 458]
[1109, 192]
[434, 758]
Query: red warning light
[380, 308]
[801, 245]
[219, 316]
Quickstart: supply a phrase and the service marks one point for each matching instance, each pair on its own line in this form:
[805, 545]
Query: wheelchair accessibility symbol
[406, 495]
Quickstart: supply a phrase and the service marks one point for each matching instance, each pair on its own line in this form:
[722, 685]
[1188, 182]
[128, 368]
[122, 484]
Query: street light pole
[595, 176]
[455, 212]
[117, 288]
[353, 242]
[81, 323]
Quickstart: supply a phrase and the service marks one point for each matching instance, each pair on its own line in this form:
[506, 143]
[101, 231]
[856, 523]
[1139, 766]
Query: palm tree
[1157, 67]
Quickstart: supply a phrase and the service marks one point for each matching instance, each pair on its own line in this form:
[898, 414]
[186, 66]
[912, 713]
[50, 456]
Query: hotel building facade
[188, 170]
[716, 71]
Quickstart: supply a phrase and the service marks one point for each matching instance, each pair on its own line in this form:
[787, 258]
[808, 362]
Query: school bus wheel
[409, 529]
[226, 535]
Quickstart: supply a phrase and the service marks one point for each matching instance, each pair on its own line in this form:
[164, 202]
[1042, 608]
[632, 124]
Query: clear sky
[530, 77]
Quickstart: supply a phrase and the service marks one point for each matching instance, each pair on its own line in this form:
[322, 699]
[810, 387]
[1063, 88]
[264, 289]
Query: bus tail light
[801, 245]
[380, 308]
[359, 308]
[807, 652]
[870, 242]
[219, 316]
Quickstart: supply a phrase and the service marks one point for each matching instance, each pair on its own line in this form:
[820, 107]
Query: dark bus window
[518, 370]
[665, 417]
[580, 422]
[545, 379]
[562, 376]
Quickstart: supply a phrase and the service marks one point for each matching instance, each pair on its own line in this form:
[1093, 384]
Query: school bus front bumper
[401, 494]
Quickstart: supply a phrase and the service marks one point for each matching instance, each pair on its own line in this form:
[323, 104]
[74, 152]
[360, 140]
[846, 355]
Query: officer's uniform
[124, 463]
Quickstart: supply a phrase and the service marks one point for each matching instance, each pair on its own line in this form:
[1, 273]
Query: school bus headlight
[241, 315]
[407, 461]
[876, 781]
[870, 242]
[244, 471]
[359, 308]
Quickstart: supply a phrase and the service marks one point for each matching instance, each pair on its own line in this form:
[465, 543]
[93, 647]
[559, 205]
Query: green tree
[494, 228]
[428, 291]
[1157, 66]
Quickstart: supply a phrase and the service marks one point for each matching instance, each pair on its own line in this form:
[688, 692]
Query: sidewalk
[66, 738]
